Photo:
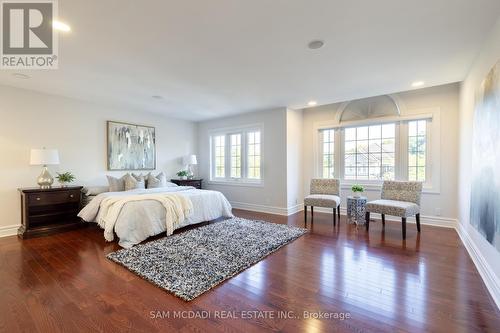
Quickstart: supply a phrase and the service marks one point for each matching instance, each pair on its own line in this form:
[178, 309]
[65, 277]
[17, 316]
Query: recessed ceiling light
[61, 26]
[312, 103]
[157, 97]
[417, 84]
[316, 44]
[21, 76]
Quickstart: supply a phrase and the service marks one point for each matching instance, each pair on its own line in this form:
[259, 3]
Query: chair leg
[383, 219]
[312, 213]
[403, 220]
[305, 216]
[338, 212]
[367, 218]
[334, 216]
[417, 217]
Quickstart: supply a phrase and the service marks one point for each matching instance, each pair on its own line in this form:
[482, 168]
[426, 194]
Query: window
[328, 153]
[219, 160]
[390, 150]
[369, 152]
[236, 156]
[417, 131]
[253, 155]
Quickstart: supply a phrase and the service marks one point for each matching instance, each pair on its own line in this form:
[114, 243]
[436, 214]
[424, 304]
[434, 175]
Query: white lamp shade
[44, 157]
[190, 159]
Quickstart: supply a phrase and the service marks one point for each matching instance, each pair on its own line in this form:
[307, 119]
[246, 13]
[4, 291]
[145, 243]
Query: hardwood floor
[64, 283]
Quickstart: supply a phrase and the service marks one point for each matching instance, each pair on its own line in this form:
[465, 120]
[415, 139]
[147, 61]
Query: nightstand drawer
[54, 198]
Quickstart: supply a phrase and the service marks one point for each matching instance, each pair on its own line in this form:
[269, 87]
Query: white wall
[294, 160]
[446, 99]
[271, 196]
[487, 257]
[78, 130]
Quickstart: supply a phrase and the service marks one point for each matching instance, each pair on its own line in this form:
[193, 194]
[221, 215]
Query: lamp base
[45, 180]
[190, 171]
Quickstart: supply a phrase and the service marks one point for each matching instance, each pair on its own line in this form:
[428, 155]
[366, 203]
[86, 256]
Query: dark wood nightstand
[47, 211]
[188, 182]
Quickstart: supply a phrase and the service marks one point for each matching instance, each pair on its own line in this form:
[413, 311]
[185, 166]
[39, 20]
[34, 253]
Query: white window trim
[433, 147]
[243, 181]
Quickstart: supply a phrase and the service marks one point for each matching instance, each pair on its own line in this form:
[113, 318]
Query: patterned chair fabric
[325, 186]
[398, 199]
[324, 193]
[402, 191]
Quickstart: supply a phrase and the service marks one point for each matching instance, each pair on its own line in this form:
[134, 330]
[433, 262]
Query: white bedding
[139, 220]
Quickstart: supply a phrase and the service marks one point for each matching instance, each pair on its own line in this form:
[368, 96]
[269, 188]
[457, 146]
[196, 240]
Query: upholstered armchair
[324, 193]
[400, 199]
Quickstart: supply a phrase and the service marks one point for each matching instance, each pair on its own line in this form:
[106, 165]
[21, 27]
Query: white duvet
[139, 220]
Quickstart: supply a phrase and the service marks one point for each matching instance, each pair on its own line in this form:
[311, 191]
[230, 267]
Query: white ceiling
[214, 58]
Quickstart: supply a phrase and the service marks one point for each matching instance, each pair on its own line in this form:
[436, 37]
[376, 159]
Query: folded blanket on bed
[177, 208]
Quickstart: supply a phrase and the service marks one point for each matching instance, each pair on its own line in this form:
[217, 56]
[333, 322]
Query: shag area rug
[190, 263]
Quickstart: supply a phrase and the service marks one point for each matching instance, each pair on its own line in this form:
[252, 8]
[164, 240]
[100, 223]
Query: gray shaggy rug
[190, 263]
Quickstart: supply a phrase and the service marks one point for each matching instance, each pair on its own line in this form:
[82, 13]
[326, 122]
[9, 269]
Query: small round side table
[356, 210]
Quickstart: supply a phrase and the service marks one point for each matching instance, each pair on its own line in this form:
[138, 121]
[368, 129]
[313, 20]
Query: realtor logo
[28, 38]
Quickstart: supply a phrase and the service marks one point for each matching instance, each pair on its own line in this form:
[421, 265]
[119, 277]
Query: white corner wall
[486, 257]
[271, 196]
[294, 161]
[78, 130]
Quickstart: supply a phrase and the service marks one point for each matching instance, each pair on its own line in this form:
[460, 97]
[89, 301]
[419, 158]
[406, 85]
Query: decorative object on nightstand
[189, 161]
[47, 211]
[188, 182]
[356, 209]
[183, 174]
[44, 157]
[65, 178]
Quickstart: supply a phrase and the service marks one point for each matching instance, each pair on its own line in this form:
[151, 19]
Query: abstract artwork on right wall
[485, 192]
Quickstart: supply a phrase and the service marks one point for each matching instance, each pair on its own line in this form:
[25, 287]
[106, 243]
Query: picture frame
[130, 146]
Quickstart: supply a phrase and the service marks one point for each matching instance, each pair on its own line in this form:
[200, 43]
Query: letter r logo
[27, 28]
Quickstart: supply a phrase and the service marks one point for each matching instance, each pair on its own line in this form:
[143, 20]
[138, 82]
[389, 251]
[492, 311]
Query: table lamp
[189, 161]
[44, 157]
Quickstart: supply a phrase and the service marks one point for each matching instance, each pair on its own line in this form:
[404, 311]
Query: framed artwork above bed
[130, 146]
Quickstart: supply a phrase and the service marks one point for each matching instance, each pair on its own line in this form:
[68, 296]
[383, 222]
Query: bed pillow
[134, 182]
[95, 190]
[116, 184]
[155, 182]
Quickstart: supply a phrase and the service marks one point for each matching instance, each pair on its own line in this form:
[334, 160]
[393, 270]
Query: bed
[139, 220]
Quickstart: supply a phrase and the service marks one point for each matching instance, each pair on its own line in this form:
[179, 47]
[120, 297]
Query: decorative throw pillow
[116, 184]
[95, 190]
[159, 181]
[134, 182]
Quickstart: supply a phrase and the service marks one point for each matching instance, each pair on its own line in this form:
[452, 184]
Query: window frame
[432, 117]
[227, 133]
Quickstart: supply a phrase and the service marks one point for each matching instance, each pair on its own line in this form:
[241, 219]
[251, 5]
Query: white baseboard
[436, 221]
[9, 230]
[260, 208]
[489, 277]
